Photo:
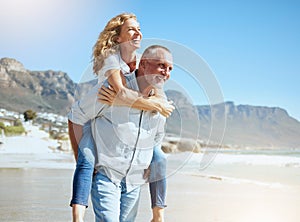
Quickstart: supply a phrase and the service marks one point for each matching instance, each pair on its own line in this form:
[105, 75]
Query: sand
[43, 195]
[36, 182]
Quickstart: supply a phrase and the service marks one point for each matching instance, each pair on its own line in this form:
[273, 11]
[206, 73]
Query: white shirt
[124, 137]
[115, 61]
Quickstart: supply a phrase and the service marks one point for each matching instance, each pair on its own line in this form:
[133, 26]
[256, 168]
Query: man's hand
[147, 173]
[109, 96]
[106, 95]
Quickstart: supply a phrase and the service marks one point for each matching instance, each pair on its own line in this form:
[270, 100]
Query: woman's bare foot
[78, 212]
[158, 214]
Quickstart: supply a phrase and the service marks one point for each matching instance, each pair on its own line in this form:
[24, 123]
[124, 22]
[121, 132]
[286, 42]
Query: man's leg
[129, 204]
[105, 198]
[158, 184]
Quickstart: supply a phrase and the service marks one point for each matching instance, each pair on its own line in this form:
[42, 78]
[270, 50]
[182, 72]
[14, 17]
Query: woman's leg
[82, 179]
[158, 183]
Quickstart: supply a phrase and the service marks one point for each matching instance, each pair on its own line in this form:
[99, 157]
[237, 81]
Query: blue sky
[252, 47]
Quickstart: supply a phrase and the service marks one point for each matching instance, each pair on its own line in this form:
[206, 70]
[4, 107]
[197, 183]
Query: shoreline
[40, 192]
[233, 187]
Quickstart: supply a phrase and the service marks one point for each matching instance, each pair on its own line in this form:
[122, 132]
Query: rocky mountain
[261, 126]
[21, 89]
[235, 125]
[226, 123]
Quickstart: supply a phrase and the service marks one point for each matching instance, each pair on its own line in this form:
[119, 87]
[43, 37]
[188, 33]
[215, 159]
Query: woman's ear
[118, 39]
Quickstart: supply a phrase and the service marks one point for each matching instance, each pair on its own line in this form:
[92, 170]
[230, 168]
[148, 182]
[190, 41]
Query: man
[125, 139]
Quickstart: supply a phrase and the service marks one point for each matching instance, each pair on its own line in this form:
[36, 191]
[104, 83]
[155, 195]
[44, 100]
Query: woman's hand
[168, 109]
[165, 107]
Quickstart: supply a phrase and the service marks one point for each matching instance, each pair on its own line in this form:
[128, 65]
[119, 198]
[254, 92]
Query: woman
[114, 55]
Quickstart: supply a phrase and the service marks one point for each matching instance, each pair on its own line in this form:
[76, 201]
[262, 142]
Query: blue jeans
[82, 179]
[157, 179]
[112, 202]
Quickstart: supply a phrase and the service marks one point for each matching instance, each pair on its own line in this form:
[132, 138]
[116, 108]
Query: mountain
[235, 125]
[260, 126]
[44, 91]
[225, 123]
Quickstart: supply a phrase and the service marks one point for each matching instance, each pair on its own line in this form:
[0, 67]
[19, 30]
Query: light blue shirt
[124, 136]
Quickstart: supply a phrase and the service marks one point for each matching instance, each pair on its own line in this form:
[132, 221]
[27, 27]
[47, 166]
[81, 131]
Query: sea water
[271, 168]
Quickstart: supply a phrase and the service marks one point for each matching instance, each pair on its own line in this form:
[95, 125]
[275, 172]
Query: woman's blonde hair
[107, 41]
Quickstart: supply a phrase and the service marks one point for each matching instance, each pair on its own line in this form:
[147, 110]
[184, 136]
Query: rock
[12, 65]
[65, 145]
[172, 145]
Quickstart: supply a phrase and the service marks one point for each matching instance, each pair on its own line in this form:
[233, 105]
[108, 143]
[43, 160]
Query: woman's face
[130, 34]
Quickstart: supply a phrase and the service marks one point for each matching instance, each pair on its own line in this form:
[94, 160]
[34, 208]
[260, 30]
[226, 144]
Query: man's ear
[142, 63]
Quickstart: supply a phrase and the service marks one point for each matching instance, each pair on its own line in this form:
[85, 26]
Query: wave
[234, 180]
[250, 159]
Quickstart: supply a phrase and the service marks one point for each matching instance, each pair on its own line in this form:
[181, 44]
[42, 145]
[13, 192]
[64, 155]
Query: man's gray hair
[150, 52]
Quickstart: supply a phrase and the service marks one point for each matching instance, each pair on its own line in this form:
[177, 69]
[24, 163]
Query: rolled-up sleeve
[88, 107]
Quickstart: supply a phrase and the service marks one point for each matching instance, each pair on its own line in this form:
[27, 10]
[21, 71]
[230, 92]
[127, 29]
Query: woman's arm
[120, 95]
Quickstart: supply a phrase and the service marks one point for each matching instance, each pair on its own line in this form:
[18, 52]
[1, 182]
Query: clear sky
[252, 47]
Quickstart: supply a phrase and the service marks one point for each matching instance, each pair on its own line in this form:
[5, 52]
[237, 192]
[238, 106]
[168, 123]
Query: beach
[233, 186]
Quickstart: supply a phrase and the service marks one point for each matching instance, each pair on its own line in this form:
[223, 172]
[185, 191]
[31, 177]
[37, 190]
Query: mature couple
[117, 133]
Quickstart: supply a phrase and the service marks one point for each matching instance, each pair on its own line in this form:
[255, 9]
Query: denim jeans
[157, 178]
[82, 179]
[112, 202]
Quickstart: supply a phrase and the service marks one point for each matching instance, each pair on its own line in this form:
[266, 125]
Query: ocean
[271, 168]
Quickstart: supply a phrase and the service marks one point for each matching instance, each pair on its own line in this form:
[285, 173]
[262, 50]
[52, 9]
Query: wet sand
[35, 195]
[43, 195]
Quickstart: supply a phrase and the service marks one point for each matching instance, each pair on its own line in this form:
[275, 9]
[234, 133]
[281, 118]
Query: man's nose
[167, 72]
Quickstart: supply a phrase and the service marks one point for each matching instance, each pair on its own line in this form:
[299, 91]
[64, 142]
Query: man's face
[157, 70]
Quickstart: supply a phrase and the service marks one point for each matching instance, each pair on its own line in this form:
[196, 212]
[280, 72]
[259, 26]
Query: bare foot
[158, 214]
[78, 212]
